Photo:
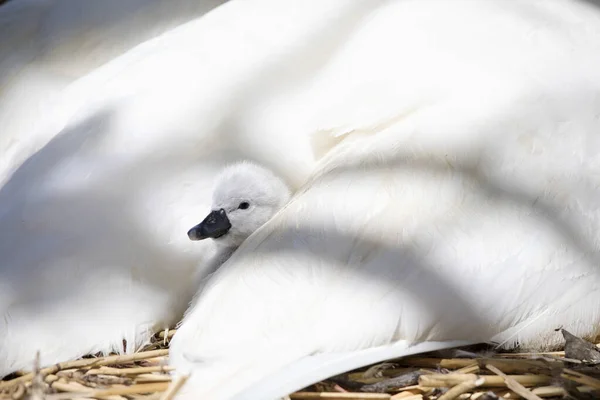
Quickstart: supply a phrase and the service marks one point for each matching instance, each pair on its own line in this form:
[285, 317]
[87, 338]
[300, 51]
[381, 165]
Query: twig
[407, 396]
[126, 390]
[549, 391]
[508, 366]
[341, 396]
[86, 362]
[169, 333]
[448, 380]
[469, 369]
[580, 378]
[461, 388]
[407, 379]
[19, 392]
[146, 378]
[376, 371]
[513, 385]
[128, 371]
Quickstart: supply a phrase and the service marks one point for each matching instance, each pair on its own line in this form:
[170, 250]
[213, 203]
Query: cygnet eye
[244, 205]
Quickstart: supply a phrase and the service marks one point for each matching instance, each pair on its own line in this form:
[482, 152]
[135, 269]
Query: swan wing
[456, 200]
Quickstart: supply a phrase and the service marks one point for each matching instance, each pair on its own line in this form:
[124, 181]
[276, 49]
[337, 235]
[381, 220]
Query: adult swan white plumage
[449, 97]
[47, 44]
[458, 199]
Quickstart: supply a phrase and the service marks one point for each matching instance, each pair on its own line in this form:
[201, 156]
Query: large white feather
[47, 44]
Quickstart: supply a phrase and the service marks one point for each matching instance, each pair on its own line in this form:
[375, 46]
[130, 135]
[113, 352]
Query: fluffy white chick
[245, 196]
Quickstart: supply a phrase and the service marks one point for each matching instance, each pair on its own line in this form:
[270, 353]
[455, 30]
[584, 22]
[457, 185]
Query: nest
[484, 376]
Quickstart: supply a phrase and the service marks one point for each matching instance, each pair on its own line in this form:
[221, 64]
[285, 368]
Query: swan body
[455, 201]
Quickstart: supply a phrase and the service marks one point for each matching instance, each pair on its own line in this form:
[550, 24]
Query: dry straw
[146, 375]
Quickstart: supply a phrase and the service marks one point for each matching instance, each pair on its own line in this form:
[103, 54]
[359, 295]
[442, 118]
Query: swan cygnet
[245, 197]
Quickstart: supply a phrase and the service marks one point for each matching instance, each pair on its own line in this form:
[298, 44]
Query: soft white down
[245, 196]
[457, 199]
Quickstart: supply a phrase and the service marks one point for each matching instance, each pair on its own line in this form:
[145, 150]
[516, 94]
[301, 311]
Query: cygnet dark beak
[215, 225]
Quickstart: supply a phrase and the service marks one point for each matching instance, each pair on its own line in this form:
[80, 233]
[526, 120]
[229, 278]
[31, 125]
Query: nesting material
[506, 375]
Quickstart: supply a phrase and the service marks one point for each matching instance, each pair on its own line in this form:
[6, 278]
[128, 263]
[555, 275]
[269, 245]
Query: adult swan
[458, 198]
[94, 246]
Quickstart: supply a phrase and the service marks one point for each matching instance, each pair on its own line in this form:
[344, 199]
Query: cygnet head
[245, 196]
